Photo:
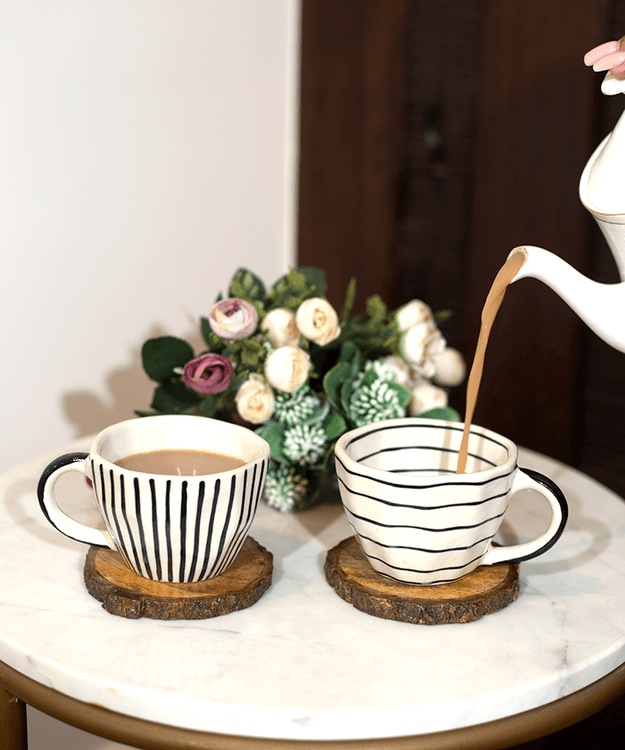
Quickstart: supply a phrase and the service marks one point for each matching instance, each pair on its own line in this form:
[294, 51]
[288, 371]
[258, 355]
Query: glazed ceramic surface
[418, 521]
[167, 528]
[302, 663]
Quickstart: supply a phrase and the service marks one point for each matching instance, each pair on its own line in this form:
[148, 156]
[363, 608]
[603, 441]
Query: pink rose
[208, 373]
[233, 318]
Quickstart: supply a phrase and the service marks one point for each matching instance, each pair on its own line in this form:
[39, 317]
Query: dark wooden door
[435, 137]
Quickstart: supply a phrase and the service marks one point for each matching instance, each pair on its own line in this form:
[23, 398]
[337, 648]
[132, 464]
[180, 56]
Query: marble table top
[302, 663]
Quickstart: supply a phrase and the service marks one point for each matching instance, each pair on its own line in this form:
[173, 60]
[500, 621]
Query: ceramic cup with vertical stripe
[419, 522]
[171, 528]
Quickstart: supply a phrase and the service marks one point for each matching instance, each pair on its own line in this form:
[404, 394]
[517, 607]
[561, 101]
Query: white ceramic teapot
[602, 192]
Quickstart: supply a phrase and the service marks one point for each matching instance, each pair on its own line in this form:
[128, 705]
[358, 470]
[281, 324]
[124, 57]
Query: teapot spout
[600, 306]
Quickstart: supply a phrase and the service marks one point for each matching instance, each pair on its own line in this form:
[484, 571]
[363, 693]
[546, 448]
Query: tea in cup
[177, 493]
[420, 522]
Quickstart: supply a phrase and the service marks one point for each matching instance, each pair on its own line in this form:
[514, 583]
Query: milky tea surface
[180, 462]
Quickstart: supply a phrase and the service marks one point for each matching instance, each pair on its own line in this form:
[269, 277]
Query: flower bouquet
[283, 362]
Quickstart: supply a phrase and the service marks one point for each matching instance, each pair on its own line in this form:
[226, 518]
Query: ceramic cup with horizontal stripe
[419, 522]
[171, 528]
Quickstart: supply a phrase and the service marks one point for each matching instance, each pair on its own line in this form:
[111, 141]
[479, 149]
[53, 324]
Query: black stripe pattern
[409, 516]
[179, 530]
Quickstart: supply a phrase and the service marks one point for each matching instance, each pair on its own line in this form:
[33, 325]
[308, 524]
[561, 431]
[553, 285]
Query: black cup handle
[560, 513]
[75, 530]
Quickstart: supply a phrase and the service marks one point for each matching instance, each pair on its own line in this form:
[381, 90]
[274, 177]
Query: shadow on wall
[127, 389]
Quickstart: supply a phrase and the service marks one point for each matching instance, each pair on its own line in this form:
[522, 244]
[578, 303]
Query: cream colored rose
[403, 373]
[420, 343]
[280, 328]
[449, 367]
[287, 368]
[413, 313]
[255, 401]
[317, 321]
[425, 397]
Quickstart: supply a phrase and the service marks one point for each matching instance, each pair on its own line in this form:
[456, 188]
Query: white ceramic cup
[178, 529]
[419, 522]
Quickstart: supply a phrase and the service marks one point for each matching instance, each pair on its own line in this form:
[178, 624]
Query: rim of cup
[264, 450]
[358, 467]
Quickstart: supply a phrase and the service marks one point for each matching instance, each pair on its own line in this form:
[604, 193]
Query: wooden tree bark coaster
[124, 593]
[487, 589]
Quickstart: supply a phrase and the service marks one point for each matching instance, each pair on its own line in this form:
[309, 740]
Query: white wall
[147, 149]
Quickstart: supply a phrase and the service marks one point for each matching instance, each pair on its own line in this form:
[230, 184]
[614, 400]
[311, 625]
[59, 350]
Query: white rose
[287, 368]
[425, 397]
[420, 343]
[413, 313]
[280, 328]
[255, 401]
[449, 367]
[402, 372]
[317, 320]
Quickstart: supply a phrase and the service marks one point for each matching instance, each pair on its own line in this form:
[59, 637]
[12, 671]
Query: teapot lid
[602, 185]
[602, 188]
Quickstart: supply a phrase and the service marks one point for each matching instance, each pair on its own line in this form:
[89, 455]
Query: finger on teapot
[618, 71]
[608, 62]
[591, 57]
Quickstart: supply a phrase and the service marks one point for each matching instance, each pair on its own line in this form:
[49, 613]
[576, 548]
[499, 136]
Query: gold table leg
[12, 722]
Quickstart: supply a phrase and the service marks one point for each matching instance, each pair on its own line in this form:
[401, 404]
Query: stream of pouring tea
[507, 272]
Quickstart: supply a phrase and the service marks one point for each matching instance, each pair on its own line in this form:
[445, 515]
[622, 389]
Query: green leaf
[320, 414]
[206, 329]
[335, 426]
[245, 285]
[346, 393]
[208, 406]
[161, 355]
[251, 352]
[173, 397]
[404, 394]
[442, 315]
[350, 298]
[376, 309]
[442, 413]
[273, 433]
[333, 382]
[315, 277]
[351, 354]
